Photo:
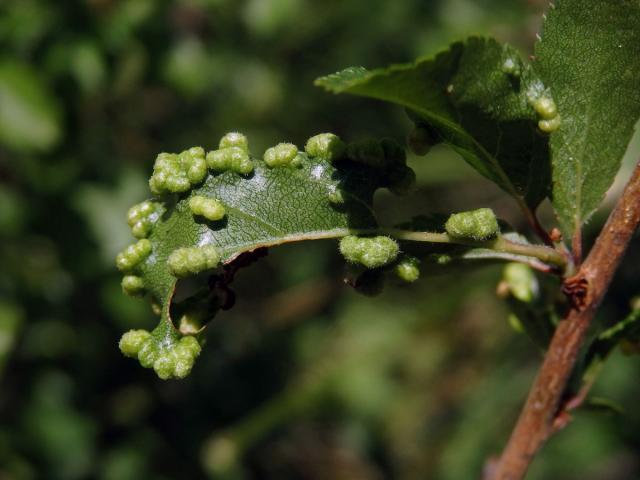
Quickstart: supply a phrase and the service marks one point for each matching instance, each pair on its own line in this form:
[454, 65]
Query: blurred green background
[304, 378]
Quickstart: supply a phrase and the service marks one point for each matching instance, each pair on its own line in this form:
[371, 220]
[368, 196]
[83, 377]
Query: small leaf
[589, 58]
[473, 96]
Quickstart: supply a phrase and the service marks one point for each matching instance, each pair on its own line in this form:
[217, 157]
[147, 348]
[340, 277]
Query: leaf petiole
[500, 244]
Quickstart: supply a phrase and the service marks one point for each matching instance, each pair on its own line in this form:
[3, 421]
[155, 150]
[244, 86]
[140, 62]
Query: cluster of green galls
[168, 356]
[377, 252]
[537, 95]
[142, 216]
[178, 173]
[192, 260]
[548, 117]
[172, 354]
[163, 349]
[128, 260]
[479, 225]
[372, 252]
[377, 255]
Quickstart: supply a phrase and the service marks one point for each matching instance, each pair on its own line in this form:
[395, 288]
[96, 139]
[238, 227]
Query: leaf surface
[589, 58]
[470, 101]
[202, 233]
[269, 207]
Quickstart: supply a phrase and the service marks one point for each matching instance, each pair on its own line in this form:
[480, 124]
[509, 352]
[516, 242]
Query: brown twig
[537, 419]
[576, 245]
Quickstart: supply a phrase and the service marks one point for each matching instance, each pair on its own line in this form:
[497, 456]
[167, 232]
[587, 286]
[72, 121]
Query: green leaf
[472, 96]
[272, 206]
[238, 206]
[589, 57]
[29, 114]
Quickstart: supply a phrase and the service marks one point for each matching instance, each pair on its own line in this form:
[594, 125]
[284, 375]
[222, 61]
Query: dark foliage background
[304, 379]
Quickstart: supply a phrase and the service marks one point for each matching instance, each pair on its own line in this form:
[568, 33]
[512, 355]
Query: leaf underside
[465, 97]
[589, 57]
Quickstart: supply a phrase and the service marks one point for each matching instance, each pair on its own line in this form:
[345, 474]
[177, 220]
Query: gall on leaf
[408, 269]
[325, 146]
[479, 225]
[371, 252]
[177, 173]
[282, 155]
[230, 159]
[209, 208]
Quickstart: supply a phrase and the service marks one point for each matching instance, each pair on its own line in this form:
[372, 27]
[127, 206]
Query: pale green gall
[479, 225]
